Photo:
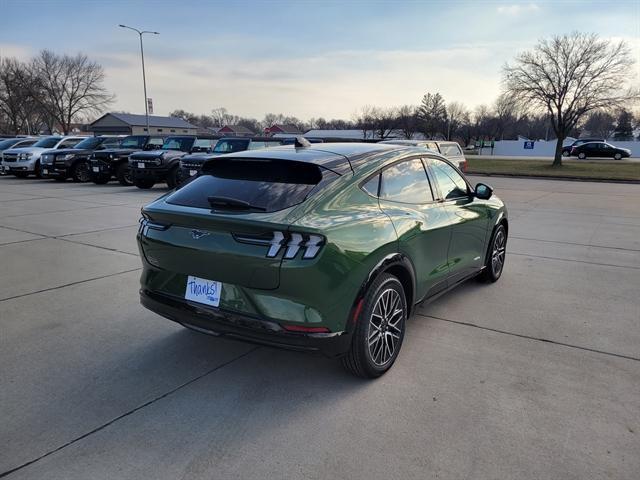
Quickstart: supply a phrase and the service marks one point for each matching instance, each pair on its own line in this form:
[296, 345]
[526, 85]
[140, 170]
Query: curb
[544, 177]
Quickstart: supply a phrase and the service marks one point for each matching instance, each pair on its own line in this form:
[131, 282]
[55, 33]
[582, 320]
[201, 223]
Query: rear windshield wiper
[232, 204]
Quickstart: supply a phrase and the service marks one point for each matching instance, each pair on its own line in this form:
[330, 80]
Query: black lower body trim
[228, 324]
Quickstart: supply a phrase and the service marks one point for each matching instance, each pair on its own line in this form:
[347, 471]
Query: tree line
[50, 92]
[564, 86]
[434, 118]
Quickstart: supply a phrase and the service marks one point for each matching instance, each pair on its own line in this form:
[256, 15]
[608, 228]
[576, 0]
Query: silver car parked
[448, 149]
[22, 162]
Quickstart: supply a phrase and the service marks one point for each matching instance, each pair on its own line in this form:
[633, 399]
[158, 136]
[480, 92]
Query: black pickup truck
[190, 165]
[74, 162]
[110, 163]
[162, 165]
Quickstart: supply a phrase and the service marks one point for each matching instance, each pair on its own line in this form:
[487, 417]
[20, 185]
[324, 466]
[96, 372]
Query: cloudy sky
[304, 58]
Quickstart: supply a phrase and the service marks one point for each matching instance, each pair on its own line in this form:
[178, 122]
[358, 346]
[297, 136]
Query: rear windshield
[250, 185]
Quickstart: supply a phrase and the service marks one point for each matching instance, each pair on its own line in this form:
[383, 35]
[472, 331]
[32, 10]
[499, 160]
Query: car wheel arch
[400, 266]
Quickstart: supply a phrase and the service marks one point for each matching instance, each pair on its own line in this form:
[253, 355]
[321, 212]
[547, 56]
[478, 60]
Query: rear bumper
[246, 328]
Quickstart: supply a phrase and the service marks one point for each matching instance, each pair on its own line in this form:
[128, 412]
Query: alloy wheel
[82, 173]
[385, 327]
[498, 252]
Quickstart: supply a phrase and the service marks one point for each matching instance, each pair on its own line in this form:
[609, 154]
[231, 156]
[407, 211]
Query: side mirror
[483, 192]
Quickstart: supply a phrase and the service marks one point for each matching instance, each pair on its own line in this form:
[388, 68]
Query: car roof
[339, 157]
[405, 142]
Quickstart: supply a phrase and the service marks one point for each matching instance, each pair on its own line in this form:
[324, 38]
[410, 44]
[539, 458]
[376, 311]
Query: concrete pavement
[536, 376]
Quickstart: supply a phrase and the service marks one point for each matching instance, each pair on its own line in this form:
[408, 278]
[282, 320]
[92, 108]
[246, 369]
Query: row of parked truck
[142, 160]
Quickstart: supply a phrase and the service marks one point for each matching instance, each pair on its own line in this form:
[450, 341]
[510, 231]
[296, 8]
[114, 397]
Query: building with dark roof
[288, 129]
[130, 124]
[235, 131]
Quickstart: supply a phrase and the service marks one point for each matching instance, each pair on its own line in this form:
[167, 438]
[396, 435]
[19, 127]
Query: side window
[156, 141]
[256, 145]
[110, 143]
[69, 143]
[451, 150]
[451, 184]
[433, 146]
[406, 182]
[371, 186]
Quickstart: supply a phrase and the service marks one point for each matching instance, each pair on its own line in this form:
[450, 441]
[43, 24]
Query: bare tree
[507, 115]
[16, 104]
[569, 76]
[364, 119]
[66, 87]
[385, 121]
[407, 121]
[457, 114]
[221, 117]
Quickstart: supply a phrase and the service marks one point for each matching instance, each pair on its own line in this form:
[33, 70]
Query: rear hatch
[231, 224]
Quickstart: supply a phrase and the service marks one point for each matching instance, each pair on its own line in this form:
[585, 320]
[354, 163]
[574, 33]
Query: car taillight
[144, 224]
[292, 242]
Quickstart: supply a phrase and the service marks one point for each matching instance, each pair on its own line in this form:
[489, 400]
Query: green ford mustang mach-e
[324, 247]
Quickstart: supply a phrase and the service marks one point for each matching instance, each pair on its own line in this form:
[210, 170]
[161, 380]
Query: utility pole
[144, 78]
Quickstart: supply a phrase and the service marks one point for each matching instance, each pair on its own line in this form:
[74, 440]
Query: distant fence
[526, 148]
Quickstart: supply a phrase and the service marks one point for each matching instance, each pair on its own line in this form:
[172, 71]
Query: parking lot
[536, 376]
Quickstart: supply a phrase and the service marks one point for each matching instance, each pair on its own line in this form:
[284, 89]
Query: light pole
[144, 79]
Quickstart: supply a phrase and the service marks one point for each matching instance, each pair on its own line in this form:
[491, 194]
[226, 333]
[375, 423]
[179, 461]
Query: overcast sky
[304, 58]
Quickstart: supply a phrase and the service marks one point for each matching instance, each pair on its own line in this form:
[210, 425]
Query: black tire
[173, 177]
[100, 179]
[618, 156]
[144, 183]
[60, 179]
[37, 171]
[496, 255]
[377, 331]
[582, 155]
[81, 172]
[21, 174]
[566, 153]
[123, 174]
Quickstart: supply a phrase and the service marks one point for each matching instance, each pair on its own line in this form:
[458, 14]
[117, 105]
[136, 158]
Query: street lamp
[144, 79]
